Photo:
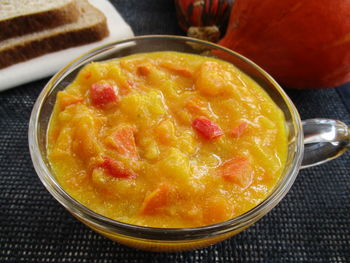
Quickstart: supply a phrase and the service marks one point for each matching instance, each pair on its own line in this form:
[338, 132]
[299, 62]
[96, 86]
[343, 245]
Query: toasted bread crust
[26, 51]
[30, 23]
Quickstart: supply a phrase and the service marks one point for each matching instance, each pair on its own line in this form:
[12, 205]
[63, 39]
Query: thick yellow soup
[166, 139]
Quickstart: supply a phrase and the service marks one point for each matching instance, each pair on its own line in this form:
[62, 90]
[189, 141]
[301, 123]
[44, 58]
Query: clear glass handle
[324, 140]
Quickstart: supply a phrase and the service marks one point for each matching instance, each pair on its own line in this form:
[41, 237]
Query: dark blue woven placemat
[344, 92]
[312, 224]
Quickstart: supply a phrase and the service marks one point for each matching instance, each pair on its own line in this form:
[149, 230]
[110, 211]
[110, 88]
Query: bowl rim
[152, 233]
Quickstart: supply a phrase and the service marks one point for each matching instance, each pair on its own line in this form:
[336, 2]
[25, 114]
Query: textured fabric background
[312, 224]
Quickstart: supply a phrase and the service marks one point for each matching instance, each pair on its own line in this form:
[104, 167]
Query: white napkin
[49, 64]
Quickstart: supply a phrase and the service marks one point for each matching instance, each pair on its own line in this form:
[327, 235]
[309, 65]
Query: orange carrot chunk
[177, 69]
[116, 169]
[66, 99]
[198, 107]
[102, 94]
[237, 171]
[155, 201]
[216, 209]
[239, 130]
[208, 129]
[143, 70]
[87, 75]
[165, 132]
[124, 142]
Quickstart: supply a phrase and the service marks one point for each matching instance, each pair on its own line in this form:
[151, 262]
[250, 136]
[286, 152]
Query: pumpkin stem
[209, 33]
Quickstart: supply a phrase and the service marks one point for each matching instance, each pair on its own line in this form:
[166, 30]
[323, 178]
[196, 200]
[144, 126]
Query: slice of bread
[19, 17]
[91, 26]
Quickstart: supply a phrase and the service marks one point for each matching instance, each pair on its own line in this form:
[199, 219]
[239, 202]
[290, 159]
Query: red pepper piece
[116, 169]
[239, 130]
[102, 94]
[207, 128]
[237, 171]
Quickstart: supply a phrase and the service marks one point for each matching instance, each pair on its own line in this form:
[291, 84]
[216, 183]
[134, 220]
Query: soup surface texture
[166, 139]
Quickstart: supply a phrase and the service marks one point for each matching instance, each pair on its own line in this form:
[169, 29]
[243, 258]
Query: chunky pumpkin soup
[166, 139]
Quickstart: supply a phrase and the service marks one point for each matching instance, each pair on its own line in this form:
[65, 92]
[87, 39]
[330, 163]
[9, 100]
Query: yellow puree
[172, 175]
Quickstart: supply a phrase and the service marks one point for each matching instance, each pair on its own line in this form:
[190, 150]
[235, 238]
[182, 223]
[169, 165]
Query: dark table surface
[312, 223]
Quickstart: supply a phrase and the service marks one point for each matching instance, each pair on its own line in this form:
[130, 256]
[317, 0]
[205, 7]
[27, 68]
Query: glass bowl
[324, 140]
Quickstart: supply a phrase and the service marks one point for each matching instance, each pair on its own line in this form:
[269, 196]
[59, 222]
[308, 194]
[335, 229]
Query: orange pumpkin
[301, 43]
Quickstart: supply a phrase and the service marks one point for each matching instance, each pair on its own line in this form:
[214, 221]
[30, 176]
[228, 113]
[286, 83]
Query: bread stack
[30, 28]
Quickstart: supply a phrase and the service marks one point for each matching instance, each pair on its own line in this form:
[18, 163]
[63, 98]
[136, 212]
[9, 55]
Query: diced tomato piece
[102, 94]
[239, 130]
[237, 171]
[116, 169]
[155, 201]
[207, 128]
[125, 142]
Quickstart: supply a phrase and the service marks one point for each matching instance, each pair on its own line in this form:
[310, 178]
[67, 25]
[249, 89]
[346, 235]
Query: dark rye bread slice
[20, 17]
[90, 27]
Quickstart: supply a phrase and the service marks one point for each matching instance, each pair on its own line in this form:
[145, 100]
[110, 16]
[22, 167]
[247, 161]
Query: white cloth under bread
[49, 64]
